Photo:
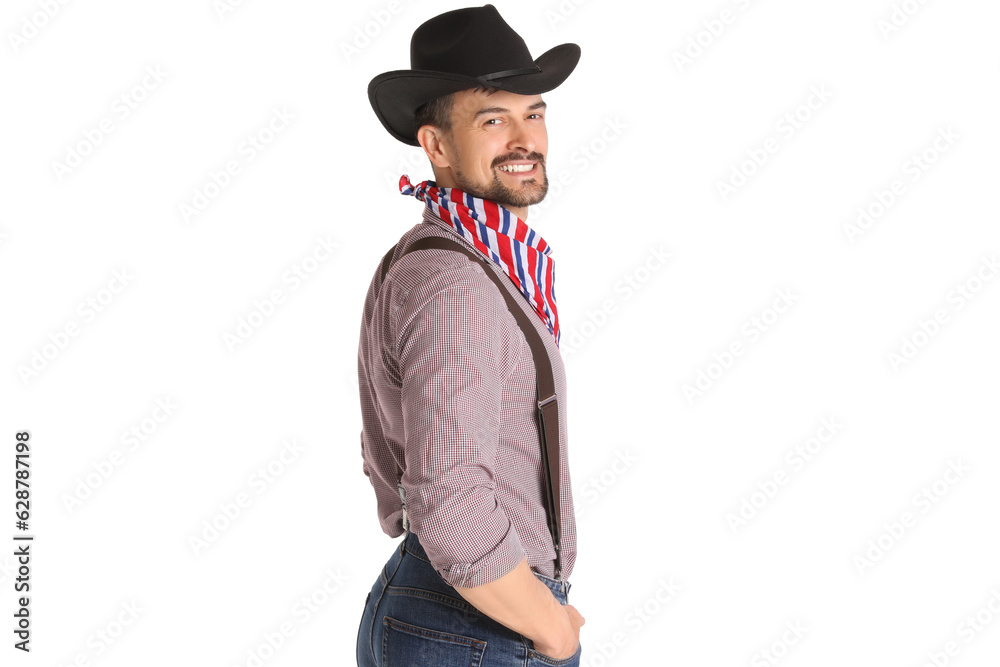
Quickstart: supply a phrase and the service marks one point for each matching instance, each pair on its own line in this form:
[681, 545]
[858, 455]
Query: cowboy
[462, 384]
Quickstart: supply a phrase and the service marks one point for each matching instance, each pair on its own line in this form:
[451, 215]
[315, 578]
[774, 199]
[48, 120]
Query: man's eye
[537, 115]
[491, 120]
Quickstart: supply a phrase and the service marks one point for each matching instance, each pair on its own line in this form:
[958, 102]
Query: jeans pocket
[404, 644]
[536, 659]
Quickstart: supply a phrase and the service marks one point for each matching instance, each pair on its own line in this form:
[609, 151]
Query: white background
[643, 140]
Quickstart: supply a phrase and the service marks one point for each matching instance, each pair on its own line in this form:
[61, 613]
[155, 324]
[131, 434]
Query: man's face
[498, 144]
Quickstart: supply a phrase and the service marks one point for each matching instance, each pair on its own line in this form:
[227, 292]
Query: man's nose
[522, 137]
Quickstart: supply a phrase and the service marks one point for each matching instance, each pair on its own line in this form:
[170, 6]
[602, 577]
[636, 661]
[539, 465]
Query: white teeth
[517, 167]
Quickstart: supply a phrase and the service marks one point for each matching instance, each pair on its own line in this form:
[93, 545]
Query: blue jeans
[413, 618]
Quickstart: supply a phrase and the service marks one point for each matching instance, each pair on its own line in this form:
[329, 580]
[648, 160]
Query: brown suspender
[548, 409]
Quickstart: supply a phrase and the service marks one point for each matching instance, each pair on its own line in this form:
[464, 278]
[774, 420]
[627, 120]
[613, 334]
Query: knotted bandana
[503, 237]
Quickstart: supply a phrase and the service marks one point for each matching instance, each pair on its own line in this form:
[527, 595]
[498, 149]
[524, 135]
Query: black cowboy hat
[463, 49]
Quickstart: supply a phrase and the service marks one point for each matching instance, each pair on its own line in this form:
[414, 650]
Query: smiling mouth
[518, 169]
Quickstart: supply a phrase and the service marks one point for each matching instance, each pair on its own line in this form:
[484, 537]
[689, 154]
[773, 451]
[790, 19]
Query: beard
[530, 191]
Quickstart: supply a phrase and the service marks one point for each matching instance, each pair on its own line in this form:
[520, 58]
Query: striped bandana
[503, 237]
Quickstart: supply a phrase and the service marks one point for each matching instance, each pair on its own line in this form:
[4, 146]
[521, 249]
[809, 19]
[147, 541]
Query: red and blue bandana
[503, 237]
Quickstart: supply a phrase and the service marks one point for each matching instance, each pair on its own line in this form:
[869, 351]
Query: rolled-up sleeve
[455, 354]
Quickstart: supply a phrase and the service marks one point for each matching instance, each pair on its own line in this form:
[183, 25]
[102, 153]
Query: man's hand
[524, 604]
[564, 646]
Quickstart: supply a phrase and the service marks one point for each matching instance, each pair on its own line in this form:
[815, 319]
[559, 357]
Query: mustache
[511, 157]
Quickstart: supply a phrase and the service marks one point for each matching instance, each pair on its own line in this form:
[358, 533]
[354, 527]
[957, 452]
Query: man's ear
[435, 144]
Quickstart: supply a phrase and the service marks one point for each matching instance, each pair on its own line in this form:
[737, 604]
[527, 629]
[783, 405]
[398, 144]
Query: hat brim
[396, 95]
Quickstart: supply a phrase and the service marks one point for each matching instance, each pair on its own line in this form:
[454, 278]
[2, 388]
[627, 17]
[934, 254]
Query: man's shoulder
[408, 270]
[449, 279]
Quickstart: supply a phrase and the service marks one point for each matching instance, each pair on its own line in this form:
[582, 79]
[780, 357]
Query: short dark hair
[437, 112]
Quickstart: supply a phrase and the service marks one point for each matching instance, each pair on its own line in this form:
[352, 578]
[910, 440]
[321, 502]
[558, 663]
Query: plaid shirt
[448, 402]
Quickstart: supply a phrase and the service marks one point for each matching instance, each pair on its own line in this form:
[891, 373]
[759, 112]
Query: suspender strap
[548, 408]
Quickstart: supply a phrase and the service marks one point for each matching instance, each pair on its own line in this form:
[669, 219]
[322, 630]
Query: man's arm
[521, 602]
[456, 352]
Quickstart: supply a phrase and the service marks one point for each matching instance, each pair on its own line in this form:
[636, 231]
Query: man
[451, 440]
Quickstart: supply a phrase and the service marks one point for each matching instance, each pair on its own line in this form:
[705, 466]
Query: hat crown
[472, 42]
[459, 50]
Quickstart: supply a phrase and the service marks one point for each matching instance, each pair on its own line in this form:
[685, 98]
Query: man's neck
[521, 212]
